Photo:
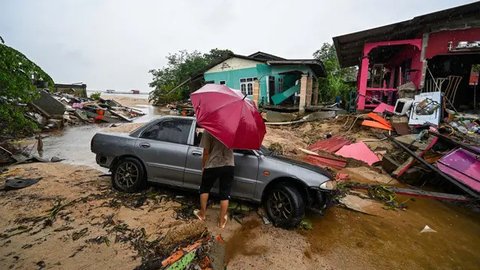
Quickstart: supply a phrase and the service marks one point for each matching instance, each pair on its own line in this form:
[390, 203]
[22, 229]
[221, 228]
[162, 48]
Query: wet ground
[393, 241]
[341, 239]
[73, 143]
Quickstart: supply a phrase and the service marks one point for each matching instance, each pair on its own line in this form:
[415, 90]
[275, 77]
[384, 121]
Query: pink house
[430, 51]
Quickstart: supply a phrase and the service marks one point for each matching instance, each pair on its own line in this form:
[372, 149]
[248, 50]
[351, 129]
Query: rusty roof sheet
[330, 145]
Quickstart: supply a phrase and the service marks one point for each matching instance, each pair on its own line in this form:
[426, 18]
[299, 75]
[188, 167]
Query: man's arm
[205, 143]
[204, 158]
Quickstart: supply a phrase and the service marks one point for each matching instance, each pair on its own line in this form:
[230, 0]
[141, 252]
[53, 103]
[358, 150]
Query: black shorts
[210, 175]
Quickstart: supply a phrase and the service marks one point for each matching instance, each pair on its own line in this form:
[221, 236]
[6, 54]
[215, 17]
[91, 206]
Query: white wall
[233, 64]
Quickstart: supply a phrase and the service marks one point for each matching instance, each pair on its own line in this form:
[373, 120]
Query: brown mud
[72, 219]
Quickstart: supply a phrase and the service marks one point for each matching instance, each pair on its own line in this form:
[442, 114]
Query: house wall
[438, 42]
[233, 64]
[413, 53]
[232, 77]
[234, 69]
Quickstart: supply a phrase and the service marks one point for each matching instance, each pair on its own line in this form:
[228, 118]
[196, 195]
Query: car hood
[301, 164]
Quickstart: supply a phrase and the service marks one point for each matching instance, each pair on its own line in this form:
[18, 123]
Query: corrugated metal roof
[330, 145]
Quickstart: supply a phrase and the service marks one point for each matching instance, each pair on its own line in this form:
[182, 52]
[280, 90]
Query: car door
[246, 174]
[246, 170]
[193, 167]
[163, 149]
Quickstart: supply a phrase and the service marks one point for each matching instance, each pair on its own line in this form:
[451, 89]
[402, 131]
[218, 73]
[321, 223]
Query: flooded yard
[73, 143]
[340, 239]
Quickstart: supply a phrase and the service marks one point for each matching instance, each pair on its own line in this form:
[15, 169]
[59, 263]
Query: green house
[270, 80]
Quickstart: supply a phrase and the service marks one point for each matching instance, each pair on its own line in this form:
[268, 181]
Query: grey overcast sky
[111, 44]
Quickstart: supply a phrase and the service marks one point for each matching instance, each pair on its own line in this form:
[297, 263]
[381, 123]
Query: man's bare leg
[203, 205]
[223, 211]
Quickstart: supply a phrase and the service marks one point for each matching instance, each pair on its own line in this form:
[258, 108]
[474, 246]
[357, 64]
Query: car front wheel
[285, 206]
[128, 175]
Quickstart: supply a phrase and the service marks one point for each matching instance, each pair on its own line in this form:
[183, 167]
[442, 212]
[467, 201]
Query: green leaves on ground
[18, 79]
[180, 67]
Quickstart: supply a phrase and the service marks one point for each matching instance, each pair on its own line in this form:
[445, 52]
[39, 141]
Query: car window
[243, 152]
[170, 130]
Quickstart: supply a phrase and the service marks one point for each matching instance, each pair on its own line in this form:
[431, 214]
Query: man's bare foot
[199, 214]
[222, 222]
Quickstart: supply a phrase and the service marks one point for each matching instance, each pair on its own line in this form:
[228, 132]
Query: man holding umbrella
[217, 163]
[231, 122]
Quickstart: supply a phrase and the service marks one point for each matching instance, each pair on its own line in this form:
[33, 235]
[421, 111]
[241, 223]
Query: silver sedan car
[166, 151]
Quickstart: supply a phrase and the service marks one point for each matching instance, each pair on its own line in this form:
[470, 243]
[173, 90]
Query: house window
[246, 86]
[280, 85]
[223, 82]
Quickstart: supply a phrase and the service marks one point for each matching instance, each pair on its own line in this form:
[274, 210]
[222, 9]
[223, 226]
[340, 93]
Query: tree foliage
[181, 66]
[335, 83]
[18, 79]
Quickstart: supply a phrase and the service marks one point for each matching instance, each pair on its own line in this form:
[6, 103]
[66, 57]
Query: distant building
[269, 80]
[79, 90]
[135, 91]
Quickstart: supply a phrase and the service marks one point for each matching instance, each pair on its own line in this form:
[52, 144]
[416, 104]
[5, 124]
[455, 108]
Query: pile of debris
[184, 108]
[425, 148]
[55, 110]
[420, 140]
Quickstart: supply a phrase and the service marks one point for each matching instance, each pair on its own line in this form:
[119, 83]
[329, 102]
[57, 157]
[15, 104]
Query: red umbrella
[229, 116]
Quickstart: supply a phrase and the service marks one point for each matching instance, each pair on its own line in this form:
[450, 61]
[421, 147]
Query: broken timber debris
[435, 169]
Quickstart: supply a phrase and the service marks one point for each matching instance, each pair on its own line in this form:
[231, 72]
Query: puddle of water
[347, 238]
[151, 112]
[240, 242]
[73, 143]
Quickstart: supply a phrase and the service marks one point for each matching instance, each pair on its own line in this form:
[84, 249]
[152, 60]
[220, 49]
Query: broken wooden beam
[419, 193]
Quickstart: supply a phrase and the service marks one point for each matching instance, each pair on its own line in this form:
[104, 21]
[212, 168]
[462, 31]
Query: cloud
[112, 44]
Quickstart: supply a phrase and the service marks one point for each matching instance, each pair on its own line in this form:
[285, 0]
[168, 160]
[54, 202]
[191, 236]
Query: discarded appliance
[426, 109]
[403, 105]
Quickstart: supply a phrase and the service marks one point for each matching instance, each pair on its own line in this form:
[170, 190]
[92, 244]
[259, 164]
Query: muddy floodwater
[73, 143]
[351, 240]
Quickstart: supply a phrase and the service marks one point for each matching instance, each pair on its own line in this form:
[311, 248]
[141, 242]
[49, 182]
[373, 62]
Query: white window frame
[246, 85]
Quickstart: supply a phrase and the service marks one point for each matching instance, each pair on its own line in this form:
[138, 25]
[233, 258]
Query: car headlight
[329, 185]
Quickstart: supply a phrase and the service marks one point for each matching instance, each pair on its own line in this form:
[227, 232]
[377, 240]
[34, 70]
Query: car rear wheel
[128, 175]
[285, 206]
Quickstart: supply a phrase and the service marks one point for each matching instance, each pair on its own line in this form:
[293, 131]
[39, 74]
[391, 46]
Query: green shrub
[18, 79]
[95, 96]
